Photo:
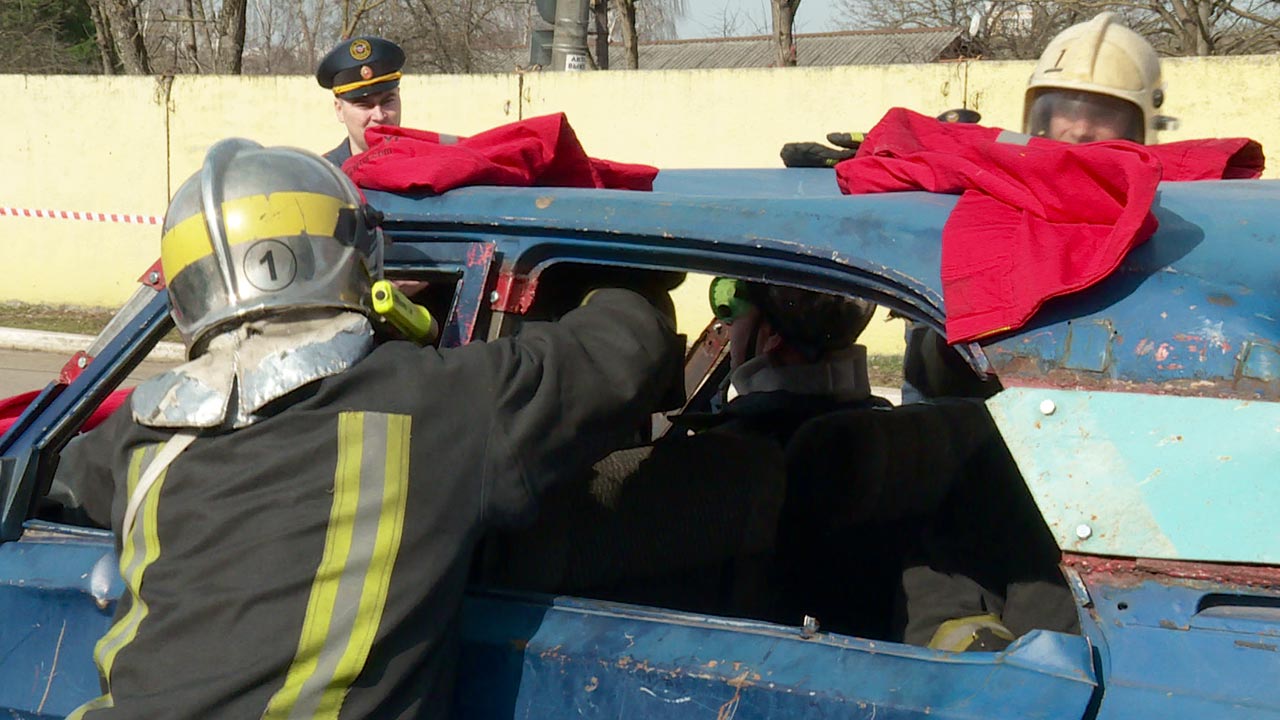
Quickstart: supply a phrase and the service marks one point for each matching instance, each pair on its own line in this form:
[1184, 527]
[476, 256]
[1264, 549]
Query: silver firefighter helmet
[261, 231]
[1102, 71]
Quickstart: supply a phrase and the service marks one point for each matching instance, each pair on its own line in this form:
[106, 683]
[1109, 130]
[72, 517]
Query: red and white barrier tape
[73, 215]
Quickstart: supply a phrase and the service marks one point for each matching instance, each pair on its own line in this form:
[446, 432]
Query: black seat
[897, 520]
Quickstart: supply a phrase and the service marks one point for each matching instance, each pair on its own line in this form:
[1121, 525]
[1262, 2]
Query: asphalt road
[22, 371]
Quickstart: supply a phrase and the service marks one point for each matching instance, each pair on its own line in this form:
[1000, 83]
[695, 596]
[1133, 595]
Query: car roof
[1195, 310]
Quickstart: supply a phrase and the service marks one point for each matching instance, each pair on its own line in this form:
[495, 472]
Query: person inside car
[793, 365]
[690, 521]
[793, 357]
[364, 75]
[296, 506]
[1097, 80]
[792, 354]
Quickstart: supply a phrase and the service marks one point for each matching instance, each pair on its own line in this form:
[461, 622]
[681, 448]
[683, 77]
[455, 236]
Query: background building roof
[850, 47]
[847, 47]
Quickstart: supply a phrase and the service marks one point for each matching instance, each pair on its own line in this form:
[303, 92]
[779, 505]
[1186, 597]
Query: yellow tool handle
[412, 320]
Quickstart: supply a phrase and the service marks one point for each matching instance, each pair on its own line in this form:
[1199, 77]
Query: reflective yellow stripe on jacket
[351, 583]
[140, 548]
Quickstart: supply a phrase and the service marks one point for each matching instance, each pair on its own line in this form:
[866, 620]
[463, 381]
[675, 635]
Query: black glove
[847, 140]
[812, 154]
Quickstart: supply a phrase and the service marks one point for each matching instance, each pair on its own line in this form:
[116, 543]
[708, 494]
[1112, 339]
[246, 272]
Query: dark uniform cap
[361, 66]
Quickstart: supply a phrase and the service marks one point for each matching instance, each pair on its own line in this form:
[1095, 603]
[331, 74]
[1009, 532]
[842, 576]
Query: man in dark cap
[364, 74]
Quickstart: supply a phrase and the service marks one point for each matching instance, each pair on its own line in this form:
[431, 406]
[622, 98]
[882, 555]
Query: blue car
[1138, 418]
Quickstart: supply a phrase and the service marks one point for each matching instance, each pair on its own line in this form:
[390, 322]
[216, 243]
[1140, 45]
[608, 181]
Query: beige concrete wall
[124, 144]
[733, 119]
[75, 143]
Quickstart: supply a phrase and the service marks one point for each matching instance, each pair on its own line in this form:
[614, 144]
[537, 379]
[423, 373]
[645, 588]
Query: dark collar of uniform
[340, 154]
[770, 411]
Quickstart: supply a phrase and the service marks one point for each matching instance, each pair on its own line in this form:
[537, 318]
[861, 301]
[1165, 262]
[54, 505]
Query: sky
[706, 18]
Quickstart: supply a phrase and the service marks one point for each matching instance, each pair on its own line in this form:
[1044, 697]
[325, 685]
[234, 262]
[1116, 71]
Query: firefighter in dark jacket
[364, 75]
[792, 353]
[690, 521]
[296, 507]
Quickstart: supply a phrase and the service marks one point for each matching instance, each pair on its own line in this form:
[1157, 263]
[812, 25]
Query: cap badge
[366, 72]
[360, 49]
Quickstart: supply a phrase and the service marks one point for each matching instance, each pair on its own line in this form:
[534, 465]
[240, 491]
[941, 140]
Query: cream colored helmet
[260, 231]
[1100, 57]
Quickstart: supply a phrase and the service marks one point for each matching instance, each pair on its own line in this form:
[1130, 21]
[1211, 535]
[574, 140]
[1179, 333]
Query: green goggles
[729, 299]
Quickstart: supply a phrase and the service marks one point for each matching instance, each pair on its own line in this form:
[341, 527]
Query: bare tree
[125, 29]
[309, 25]
[600, 20]
[189, 54]
[997, 28]
[626, 10]
[102, 39]
[635, 21]
[46, 36]
[457, 36]
[353, 11]
[1021, 29]
[656, 20]
[1202, 27]
[239, 36]
[230, 24]
[733, 22]
[784, 23]
[235, 36]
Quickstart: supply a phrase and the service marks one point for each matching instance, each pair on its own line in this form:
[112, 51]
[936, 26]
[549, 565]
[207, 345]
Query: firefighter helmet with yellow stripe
[260, 231]
[1101, 68]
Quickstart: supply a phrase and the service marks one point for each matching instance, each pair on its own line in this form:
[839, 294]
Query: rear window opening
[881, 523]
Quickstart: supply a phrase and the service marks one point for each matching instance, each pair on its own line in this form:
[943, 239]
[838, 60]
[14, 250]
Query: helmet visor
[729, 299]
[1079, 117]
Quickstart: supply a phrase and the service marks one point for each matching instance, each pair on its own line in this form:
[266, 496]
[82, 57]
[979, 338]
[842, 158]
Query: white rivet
[82, 362]
[153, 277]
[493, 296]
[1084, 532]
[1047, 407]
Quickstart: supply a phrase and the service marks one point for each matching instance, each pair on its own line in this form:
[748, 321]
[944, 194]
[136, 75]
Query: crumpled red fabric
[539, 151]
[1210, 159]
[1036, 218]
[12, 407]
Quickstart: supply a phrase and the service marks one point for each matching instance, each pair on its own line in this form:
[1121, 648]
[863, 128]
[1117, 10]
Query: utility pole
[569, 41]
